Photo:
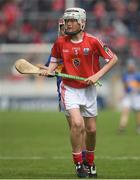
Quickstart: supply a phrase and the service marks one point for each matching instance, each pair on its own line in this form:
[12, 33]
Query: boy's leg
[76, 124]
[90, 125]
[138, 121]
[124, 119]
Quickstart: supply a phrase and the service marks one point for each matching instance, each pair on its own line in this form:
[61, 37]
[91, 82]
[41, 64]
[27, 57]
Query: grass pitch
[36, 145]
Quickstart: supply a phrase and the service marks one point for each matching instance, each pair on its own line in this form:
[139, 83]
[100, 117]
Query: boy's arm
[94, 78]
[41, 66]
[45, 71]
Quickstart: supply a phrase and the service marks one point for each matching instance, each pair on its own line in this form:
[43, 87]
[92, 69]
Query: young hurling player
[80, 53]
[61, 32]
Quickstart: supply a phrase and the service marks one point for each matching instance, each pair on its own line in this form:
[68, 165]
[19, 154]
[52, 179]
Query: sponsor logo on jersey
[65, 50]
[76, 62]
[86, 51]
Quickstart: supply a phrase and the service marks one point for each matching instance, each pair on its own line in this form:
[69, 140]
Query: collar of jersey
[76, 42]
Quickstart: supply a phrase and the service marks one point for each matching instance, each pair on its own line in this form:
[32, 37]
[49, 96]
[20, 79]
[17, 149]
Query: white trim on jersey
[54, 60]
[110, 53]
[76, 42]
[102, 44]
[107, 60]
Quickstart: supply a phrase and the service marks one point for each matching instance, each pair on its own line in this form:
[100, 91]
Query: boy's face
[71, 25]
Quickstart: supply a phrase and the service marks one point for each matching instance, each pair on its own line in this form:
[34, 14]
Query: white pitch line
[119, 157]
[21, 158]
[66, 157]
[106, 157]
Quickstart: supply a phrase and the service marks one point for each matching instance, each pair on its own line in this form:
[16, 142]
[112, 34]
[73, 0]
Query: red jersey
[80, 58]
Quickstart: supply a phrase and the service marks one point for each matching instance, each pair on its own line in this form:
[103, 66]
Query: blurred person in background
[80, 54]
[131, 99]
[59, 68]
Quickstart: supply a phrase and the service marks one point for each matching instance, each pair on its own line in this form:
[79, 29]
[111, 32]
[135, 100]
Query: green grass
[36, 145]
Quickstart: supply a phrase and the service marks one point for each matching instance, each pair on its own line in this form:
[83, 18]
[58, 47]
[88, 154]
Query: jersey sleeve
[104, 51]
[48, 61]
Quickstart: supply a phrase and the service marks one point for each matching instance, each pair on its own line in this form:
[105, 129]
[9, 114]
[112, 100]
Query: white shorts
[131, 101]
[85, 99]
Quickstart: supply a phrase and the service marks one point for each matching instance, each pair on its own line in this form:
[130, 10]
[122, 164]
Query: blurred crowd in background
[35, 21]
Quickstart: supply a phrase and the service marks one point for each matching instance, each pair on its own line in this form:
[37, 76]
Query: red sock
[77, 158]
[90, 157]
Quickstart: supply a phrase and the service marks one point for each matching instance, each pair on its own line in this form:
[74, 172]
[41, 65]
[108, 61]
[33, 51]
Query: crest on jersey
[86, 51]
[76, 50]
[105, 48]
[76, 62]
